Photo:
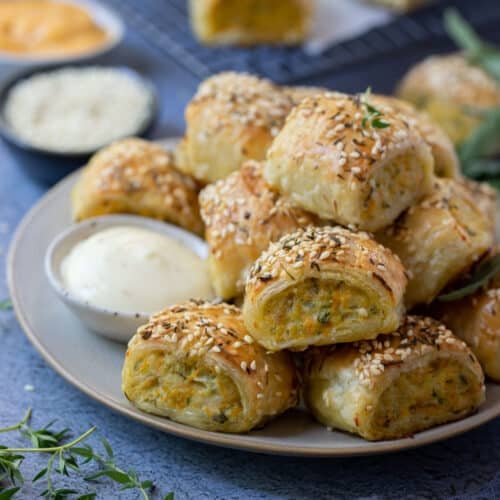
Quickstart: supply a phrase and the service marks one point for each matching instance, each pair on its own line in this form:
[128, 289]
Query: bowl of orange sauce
[45, 31]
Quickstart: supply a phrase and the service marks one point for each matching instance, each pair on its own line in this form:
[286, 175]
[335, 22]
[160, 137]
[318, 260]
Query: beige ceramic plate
[93, 364]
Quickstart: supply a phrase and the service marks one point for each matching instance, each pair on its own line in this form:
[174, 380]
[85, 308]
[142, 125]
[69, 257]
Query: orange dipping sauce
[47, 27]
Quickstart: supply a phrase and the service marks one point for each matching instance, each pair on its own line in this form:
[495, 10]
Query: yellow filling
[314, 308]
[264, 16]
[185, 385]
[434, 393]
[396, 181]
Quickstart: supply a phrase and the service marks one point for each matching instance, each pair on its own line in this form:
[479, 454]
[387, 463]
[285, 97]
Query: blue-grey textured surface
[464, 467]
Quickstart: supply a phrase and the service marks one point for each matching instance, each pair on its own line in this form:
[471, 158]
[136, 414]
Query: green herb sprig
[476, 50]
[64, 457]
[486, 271]
[372, 116]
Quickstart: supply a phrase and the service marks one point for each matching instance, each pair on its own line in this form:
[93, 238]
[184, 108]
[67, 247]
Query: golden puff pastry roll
[452, 91]
[242, 215]
[137, 177]
[476, 320]
[232, 118]
[446, 163]
[336, 158]
[438, 239]
[485, 198]
[418, 377]
[196, 364]
[250, 22]
[322, 286]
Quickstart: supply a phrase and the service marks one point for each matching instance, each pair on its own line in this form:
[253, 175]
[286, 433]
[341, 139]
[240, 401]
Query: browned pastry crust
[320, 286]
[485, 198]
[301, 92]
[195, 363]
[452, 91]
[242, 215]
[332, 160]
[418, 377]
[446, 163]
[138, 177]
[438, 239]
[232, 118]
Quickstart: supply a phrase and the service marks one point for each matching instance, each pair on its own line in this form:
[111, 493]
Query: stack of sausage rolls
[334, 222]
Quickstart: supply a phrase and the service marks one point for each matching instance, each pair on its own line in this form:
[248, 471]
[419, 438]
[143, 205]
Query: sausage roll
[438, 239]
[232, 118]
[476, 320]
[321, 286]
[446, 163]
[335, 157]
[138, 177]
[485, 198]
[250, 22]
[418, 377]
[196, 364]
[242, 216]
[452, 91]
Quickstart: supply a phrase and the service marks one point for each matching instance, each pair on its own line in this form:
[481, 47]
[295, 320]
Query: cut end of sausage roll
[413, 379]
[137, 177]
[321, 286]
[338, 158]
[250, 22]
[438, 240]
[232, 118]
[446, 163]
[196, 364]
[448, 87]
[243, 215]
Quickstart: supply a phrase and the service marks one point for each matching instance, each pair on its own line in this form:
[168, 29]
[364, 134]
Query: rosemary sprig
[477, 51]
[372, 116]
[64, 457]
[486, 271]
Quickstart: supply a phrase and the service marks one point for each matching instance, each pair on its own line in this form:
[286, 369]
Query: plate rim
[207, 437]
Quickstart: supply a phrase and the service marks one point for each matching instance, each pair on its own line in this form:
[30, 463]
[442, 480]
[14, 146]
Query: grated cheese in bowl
[78, 110]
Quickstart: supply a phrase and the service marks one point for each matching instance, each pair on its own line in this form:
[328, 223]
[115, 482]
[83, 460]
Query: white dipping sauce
[129, 269]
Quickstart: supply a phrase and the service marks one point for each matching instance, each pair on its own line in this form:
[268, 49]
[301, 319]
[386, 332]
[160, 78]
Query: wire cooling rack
[165, 25]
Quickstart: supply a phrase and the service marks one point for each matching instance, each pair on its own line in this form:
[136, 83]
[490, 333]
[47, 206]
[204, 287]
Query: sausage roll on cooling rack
[416, 378]
[339, 157]
[452, 91]
[232, 118]
[242, 216]
[438, 239]
[196, 364]
[476, 320]
[138, 177]
[321, 286]
[446, 162]
[249, 22]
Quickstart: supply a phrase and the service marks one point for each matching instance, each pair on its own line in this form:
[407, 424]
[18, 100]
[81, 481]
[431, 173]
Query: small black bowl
[47, 166]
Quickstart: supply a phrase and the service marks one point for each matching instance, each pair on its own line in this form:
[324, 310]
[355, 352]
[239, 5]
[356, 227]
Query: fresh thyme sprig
[64, 457]
[372, 115]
